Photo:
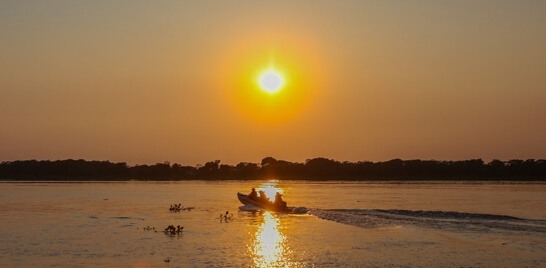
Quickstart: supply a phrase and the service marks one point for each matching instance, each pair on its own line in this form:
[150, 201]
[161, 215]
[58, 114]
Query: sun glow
[271, 81]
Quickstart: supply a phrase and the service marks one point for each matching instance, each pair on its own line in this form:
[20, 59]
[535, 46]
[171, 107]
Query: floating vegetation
[171, 230]
[226, 217]
[175, 208]
[148, 228]
[179, 207]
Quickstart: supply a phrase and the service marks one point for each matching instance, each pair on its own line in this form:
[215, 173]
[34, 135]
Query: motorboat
[243, 198]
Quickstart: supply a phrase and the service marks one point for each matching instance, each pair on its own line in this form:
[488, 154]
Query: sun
[271, 81]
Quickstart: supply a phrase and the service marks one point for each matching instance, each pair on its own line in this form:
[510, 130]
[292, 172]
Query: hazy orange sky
[151, 81]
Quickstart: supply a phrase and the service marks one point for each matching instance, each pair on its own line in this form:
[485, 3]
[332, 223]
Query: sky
[144, 82]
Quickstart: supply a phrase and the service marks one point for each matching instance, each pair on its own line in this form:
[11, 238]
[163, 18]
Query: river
[349, 224]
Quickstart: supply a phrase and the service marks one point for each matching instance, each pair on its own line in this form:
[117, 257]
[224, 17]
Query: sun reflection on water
[270, 188]
[269, 247]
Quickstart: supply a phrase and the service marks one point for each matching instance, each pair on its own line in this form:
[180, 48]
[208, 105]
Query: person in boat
[279, 203]
[253, 195]
[263, 198]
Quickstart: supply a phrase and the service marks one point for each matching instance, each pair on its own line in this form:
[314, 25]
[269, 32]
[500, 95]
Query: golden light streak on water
[269, 248]
[270, 188]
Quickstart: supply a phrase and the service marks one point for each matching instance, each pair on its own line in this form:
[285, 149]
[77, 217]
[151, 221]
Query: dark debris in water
[225, 217]
[179, 207]
[171, 230]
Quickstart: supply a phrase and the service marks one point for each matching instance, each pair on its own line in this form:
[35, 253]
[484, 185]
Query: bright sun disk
[271, 81]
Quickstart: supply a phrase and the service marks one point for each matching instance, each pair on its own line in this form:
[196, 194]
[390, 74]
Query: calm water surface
[350, 224]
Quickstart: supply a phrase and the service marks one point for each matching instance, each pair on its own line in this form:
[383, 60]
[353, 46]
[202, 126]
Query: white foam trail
[372, 218]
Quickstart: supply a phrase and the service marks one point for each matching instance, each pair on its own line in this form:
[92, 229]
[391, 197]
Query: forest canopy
[271, 168]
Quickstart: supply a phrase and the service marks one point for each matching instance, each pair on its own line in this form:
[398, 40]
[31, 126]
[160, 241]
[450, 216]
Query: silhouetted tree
[247, 170]
[268, 161]
[210, 169]
[322, 167]
[317, 168]
[227, 171]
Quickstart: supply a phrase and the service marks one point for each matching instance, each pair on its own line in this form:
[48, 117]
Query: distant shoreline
[317, 169]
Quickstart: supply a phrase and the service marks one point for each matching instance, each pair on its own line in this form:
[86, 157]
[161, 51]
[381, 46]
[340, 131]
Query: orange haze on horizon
[149, 82]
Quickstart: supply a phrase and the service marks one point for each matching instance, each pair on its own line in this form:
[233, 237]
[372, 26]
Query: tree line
[312, 169]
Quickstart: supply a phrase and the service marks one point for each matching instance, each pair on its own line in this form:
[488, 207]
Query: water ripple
[447, 220]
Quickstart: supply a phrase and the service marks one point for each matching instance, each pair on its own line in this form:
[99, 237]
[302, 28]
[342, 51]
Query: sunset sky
[152, 81]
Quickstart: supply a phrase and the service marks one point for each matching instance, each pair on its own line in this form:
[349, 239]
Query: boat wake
[444, 220]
